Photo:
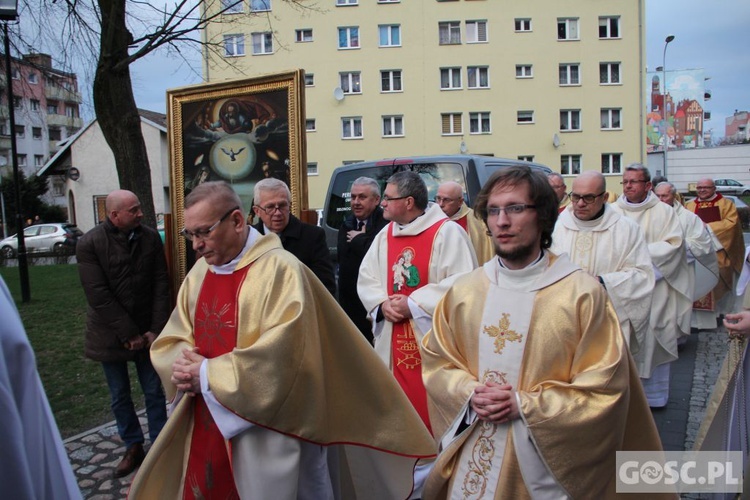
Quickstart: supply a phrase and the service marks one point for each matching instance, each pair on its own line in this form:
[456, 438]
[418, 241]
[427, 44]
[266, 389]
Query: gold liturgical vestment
[477, 231]
[300, 367]
[578, 389]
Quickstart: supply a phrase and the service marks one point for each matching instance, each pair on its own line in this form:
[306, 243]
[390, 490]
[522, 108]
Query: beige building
[560, 83]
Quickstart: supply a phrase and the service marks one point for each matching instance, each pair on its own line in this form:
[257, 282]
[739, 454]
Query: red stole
[409, 261]
[708, 211]
[209, 468]
[463, 222]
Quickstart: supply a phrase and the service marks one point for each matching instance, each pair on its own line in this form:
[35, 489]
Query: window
[260, 5]
[55, 134]
[17, 102]
[312, 168]
[611, 163]
[390, 80]
[20, 130]
[570, 164]
[610, 118]
[304, 35]
[526, 157]
[609, 73]
[389, 1]
[58, 186]
[479, 122]
[71, 111]
[38, 160]
[21, 160]
[234, 45]
[351, 127]
[570, 120]
[231, 6]
[393, 126]
[567, 28]
[522, 24]
[349, 38]
[609, 27]
[350, 83]
[309, 79]
[450, 78]
[390, 35]
[262, 43]
[524, 71]
[33, 78]
[34, 103]
[478, 77]
[476, 31]
[36, 132]
[450, 32]
[525, 117]
[569, 74]
[15, 74]
[347, 2]
[451, 123]
[4, 128]
[310, 124]
[51, 107]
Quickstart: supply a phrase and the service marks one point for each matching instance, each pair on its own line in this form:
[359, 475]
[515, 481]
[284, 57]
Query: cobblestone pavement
[95, 454]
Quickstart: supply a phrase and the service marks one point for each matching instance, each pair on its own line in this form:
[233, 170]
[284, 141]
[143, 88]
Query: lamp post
[9, 12]
[664, 100]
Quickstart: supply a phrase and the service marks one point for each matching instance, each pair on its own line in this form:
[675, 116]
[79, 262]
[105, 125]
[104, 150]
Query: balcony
[4, 142]
[55, 93]
[64, 121]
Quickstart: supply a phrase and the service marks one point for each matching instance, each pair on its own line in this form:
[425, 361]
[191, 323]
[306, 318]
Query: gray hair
[369, 182]
[219, 192]
[638, 167]
[556, 176]
[271, 184]
[672, 189]
[409, 183]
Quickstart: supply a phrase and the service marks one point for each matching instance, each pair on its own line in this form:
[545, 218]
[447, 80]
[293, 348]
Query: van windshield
[433, 174]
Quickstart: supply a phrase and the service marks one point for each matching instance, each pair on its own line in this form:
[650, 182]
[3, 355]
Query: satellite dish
[556, 140]
[338, 94]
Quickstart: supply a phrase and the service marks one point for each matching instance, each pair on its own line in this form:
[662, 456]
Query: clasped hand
[186, 371]
[396, 308]
[495, 403]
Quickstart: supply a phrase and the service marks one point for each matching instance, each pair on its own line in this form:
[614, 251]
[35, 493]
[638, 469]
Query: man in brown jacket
[124, 275]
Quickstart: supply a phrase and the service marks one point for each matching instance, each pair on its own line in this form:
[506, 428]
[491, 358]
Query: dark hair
[542, 196]
[409, 183]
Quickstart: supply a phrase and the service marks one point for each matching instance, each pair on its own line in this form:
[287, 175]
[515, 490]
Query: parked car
[731, 186]
[58, 238]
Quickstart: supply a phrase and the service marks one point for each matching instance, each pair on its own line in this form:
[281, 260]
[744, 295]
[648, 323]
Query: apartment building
[560, 83]
[46, 103]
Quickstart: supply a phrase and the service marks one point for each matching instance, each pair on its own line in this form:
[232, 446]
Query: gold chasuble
[296, 366]
[477, 231]
[551, 332]
[410, 256]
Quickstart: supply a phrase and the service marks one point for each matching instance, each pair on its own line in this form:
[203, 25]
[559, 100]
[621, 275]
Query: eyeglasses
[588, 199]
[387, 198]
[627, 183]
[510, 210]
[202, 234]
[270, 209]
[704, 187]
[443, 199]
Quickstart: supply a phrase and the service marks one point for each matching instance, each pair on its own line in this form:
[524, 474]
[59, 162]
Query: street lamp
[664, 100]
[9, 12]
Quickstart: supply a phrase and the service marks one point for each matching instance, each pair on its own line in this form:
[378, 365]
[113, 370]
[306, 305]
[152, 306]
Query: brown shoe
[133, 458]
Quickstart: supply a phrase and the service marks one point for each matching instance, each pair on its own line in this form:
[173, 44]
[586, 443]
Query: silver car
[57, 238]
[731, 186]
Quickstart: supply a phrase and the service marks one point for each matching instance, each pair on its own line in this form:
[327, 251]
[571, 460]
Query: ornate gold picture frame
[240, 131]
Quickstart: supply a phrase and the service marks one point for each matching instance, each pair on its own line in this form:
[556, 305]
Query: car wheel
[745, 193]
[59, 249]
[8, 252]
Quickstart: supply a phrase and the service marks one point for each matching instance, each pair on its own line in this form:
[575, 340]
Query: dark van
[471, 171]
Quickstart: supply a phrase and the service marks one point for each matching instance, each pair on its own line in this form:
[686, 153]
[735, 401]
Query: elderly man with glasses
[450, 198]
[611, 248]
[672, 295]
[306, 242]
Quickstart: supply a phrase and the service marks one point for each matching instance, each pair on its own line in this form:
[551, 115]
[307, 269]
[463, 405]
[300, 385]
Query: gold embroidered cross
[502, 333]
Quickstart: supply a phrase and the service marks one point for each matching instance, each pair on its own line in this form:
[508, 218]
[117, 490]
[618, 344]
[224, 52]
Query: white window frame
[480, 123]
[310, 125]
[352, 37]
[262, 43]
[568, 164]
[612, 163]
[353, 123]
[569, 74]
[525, 116]
[303, 35]
[391, 76]
[260, 5]
[33, 133]
[232, 6]
[609, 24]
[605, 69]
[234, 45]
[309, 79]
[32, 78]
[22, 128]
[449, 33]
[395, 123]
[38, 160]
[21, 160]
[454, 122]
[346, 3]
[389, 1]
[15, 74]
[474, 76]
[568, 119]
[389, 35]
[526, 157]
[312, 168]
[351, 82]
[34, 104]
[476, 31]
[608, 118]
[568, 29]
[522, 24]
[451, 75]
[524, 71]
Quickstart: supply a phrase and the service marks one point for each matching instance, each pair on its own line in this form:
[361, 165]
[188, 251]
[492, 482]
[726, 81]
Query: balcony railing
[56, 93]
[64, 121]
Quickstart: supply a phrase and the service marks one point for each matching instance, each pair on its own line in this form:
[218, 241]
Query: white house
[87, 165]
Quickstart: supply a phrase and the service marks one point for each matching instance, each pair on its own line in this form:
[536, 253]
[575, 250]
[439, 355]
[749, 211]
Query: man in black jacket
[123, 271]
[355, 237]
[306, 242]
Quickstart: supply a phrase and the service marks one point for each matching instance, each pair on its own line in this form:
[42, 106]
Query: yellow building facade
[559, 83]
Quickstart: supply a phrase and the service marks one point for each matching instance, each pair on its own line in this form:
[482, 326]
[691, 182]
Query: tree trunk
[116, 110]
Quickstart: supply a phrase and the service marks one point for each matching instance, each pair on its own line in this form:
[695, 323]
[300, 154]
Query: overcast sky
[711, 35]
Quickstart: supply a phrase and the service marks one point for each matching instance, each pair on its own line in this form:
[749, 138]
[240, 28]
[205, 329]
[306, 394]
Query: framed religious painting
[241, 132]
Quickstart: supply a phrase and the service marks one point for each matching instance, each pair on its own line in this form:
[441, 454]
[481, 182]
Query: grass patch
[55, 320]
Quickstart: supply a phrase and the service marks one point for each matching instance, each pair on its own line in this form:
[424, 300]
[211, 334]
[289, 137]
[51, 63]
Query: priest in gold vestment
[267, 372]
[531, 386]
